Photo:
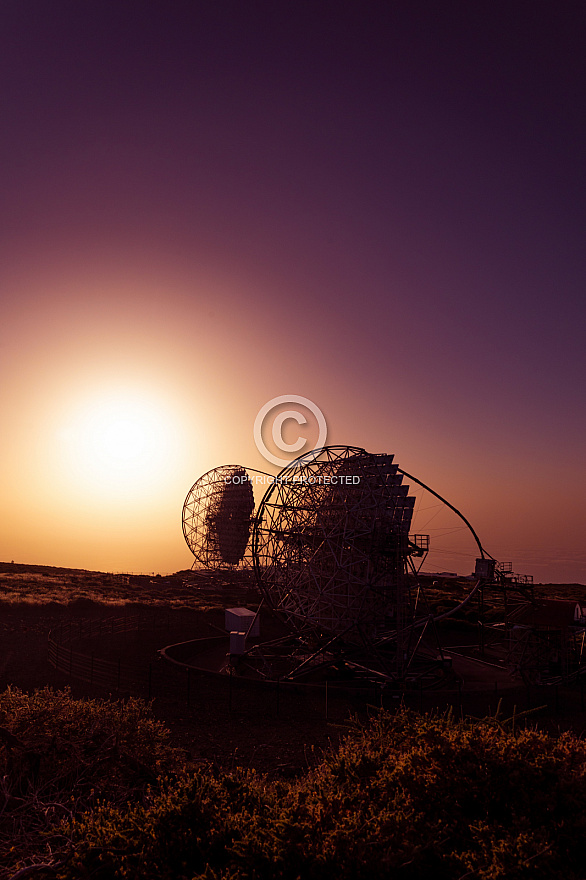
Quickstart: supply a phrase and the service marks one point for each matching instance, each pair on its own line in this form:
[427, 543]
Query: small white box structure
[240, 620]
[237, 643]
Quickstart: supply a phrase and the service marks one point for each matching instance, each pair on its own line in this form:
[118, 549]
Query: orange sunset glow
[292, 439]
[190, 235]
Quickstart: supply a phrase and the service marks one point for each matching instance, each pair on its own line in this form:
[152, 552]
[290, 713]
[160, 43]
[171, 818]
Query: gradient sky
[379, 206]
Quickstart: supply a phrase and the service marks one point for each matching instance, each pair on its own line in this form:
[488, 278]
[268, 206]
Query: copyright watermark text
[304, 479]
[280, 419]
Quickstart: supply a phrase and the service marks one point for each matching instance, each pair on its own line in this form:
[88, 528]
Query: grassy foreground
[96, 789]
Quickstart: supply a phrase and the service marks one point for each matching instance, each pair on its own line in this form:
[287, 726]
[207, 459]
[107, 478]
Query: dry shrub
[59, 757]
[409, 796]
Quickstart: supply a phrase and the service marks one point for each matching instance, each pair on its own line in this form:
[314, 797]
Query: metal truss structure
[334, 557]
[217, 517]
[330, 541]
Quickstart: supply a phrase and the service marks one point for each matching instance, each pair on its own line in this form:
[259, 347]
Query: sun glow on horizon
[119, 444]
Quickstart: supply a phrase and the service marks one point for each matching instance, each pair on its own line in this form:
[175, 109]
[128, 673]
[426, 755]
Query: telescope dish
[217, 517]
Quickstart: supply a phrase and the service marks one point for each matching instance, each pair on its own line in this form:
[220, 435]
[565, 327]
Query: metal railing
[178, 684]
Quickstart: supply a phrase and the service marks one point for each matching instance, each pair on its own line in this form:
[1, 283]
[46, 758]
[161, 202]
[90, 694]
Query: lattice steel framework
[331, 543]
[217, 517]
[333, 555]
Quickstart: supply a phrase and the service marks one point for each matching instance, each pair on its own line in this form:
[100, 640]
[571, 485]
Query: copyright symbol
[277, 430]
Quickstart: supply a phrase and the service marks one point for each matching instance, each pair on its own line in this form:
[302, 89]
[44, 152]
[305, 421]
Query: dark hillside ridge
[22, 567]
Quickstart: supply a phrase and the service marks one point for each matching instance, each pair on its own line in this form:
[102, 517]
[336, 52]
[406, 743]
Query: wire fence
[76, 649]
[88, 664]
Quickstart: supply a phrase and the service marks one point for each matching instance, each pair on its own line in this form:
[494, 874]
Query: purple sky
[379, 206]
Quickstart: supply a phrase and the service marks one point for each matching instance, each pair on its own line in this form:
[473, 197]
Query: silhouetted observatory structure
[217, 517]
[331, 546]
[334, 557]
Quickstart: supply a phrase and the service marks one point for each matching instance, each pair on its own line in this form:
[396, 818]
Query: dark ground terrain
[34, 600]
[261, 729]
